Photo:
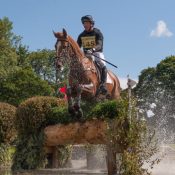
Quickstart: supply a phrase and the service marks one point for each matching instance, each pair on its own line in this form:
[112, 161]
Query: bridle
[64, 49]
[67, 56]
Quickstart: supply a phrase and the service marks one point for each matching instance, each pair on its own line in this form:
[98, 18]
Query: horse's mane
[76, 47]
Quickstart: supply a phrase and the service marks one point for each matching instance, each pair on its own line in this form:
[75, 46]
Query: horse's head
[67, 49]
[61, 46]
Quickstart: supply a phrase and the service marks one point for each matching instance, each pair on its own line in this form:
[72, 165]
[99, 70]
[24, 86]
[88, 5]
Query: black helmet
[88, 18]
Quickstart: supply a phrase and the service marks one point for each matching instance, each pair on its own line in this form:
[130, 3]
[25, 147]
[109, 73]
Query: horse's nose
[59, 64]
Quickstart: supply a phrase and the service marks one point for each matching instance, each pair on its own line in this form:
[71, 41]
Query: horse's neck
[76, 49]
[76, 56]
[79, 63]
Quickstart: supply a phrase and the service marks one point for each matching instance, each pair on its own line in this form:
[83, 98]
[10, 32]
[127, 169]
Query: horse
[83, 77]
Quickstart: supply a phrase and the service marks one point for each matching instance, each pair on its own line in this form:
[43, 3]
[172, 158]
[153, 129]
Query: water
[165, 167]
[55, 172]
[81, 165]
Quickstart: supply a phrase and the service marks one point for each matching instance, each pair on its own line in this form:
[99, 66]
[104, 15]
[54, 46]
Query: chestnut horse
[83, 79]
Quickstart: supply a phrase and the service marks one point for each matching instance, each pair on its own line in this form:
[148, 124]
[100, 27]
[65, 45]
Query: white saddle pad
[108, 80]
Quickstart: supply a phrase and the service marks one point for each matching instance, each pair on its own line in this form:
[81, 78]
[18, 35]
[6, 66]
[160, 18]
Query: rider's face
[87, 25]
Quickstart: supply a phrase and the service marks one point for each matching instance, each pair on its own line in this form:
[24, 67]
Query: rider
[91, 39]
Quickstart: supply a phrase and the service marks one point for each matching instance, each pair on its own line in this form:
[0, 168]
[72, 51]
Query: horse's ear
[64, 33]
[55, 34]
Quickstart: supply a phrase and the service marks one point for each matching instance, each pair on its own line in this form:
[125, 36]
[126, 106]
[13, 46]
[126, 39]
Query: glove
[90, 51]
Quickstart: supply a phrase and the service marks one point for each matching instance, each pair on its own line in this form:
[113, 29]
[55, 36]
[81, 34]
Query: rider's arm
[79, 41]
[98, 46]
[99, 41]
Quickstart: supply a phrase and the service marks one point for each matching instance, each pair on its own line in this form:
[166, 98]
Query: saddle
[97, 67]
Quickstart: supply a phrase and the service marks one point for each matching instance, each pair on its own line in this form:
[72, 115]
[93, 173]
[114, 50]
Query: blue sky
[137, 33]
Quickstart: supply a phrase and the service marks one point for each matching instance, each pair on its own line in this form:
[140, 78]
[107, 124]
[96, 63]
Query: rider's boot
[103, 89]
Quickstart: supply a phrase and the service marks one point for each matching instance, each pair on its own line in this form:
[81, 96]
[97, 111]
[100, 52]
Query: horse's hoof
[108, 96]
[71, 110]
[79, 114]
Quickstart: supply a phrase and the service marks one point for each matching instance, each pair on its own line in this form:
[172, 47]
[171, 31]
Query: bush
[36, 113]
[7, 119]
[33, 115]
[108, 109]
[6, 155]
[29, 152]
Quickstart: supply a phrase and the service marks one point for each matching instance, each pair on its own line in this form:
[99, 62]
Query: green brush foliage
[132, 140]
[7, 133]
[6, 155]
[64, 154]
[33, 115]
[108, 109]
[29, 152]
[7, 119]
[36, 113]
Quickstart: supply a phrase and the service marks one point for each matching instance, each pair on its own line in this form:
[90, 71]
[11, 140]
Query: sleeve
[79, 41]
[99, 41]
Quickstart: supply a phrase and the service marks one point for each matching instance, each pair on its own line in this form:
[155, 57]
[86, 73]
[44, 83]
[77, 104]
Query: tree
[43, 64]
[8, 56]
[22, 56]
[21, 85]
[155, 91]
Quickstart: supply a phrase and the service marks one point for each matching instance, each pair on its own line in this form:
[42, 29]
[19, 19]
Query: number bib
[88, 42]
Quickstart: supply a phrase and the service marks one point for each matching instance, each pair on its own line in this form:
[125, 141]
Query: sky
[137, 33]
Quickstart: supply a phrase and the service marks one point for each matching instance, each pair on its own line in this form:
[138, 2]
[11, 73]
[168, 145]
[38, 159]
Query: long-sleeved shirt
[92, 39]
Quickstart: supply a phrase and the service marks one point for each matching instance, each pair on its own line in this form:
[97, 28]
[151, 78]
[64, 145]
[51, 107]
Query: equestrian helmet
[87, 18]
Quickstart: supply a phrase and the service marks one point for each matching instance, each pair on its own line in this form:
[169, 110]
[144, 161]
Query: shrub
[36, 113]
[7, 119]
[33, 115]
[108, 109]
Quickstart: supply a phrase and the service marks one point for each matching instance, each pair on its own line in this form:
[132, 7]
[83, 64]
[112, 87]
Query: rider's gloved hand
[90, 51]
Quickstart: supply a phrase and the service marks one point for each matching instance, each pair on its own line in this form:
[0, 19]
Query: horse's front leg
[77, 102]
[70, 101]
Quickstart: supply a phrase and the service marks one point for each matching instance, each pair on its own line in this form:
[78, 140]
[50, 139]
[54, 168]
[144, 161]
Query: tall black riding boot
[103, 80]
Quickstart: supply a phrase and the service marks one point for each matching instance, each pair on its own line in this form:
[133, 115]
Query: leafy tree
[8, 56]
[12, 53]
[6, 34]
[22, 56]
[21, 85]
[43, 64]
[155, 92]
[17, 80]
